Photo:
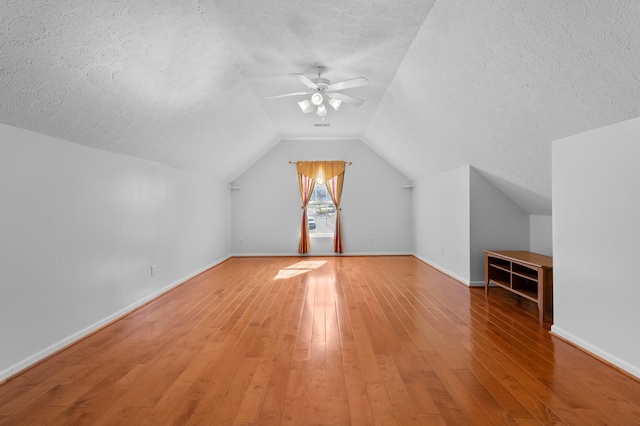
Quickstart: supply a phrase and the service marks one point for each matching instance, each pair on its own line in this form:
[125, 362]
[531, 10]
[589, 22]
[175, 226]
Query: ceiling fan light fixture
[321, 111]
[305, 106]
[317, 99]
[320, 88]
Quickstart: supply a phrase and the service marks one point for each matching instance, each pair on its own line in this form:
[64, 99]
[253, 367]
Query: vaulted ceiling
[451, 82]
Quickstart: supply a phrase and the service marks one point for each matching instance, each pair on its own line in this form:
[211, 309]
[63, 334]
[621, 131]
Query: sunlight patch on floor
[299, 268]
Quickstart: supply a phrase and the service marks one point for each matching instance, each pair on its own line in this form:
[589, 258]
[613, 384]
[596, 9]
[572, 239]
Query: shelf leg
[540, 297]
[486, 274]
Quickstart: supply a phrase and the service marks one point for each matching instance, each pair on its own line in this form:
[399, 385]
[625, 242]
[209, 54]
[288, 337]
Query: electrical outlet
[241, 241]
[373, 241]
[443, 251]
[153, 270]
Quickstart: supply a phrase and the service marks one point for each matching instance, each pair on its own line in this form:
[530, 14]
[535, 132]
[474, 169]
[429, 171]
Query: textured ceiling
[493, 83]
[271, 39]
[455, 82]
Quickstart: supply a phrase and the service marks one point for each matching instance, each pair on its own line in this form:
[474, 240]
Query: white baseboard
[58, 346]
[264, 254]
[594, 350]
[319, 254]
[447, 272]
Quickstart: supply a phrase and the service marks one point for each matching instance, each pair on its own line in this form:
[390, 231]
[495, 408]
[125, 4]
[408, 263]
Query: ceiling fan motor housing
[322, 83]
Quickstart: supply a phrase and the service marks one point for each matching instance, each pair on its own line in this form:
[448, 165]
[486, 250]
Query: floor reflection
[299, 268]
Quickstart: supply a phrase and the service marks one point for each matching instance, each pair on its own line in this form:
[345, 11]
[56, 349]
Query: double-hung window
[321, 213]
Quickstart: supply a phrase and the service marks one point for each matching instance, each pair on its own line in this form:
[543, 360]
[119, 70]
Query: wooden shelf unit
[527, 274]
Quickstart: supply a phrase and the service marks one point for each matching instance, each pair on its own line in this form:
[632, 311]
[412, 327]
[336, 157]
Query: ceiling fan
[320, 88]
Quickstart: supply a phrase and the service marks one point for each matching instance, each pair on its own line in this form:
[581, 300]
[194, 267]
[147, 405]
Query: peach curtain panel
[306, 185]
[331, 173]
[334, 187]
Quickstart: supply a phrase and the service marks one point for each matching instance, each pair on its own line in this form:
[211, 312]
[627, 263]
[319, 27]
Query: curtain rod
[295, 162]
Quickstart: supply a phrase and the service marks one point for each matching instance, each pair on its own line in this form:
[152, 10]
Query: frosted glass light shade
[316, 98]
[335, 103]
[305, 106]
[322, 111]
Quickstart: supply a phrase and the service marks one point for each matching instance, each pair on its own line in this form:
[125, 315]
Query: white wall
[596, 205]
[457, 215]
[497, 223]
[541, 236]
[266, 212]
[79, 230]
[441, 208]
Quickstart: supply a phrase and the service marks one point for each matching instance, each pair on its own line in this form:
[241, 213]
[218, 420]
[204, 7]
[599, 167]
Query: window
[324, 213]
[321, 213]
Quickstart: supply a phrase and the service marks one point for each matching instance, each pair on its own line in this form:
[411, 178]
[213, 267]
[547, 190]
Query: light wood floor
[339, 340]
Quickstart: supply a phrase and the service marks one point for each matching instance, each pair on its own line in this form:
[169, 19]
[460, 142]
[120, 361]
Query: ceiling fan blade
[347, 99]
[305, 80]
[348, 84]
[287, 95]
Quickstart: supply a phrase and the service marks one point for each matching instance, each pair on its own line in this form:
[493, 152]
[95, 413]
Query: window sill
[320, 235]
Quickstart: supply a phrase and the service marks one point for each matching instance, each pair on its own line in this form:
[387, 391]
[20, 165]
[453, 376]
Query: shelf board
[526, 294]
[501, 283]
[500, 267]
[520, 292]
[528, 277]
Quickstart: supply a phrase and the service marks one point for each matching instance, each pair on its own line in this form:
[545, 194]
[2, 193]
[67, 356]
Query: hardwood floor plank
[419, 393]
[403, 407]
[22, 391]
[336, 384]
[323, 340]
[92, 406]
[381, 405]
[273, 404]
[230, 403]
[360, 404]
[379, 313]
[249, 409]
[361, 336]
[338, 412]
[293, 412]
[432, 420]
[493, 407]
[447, 407]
